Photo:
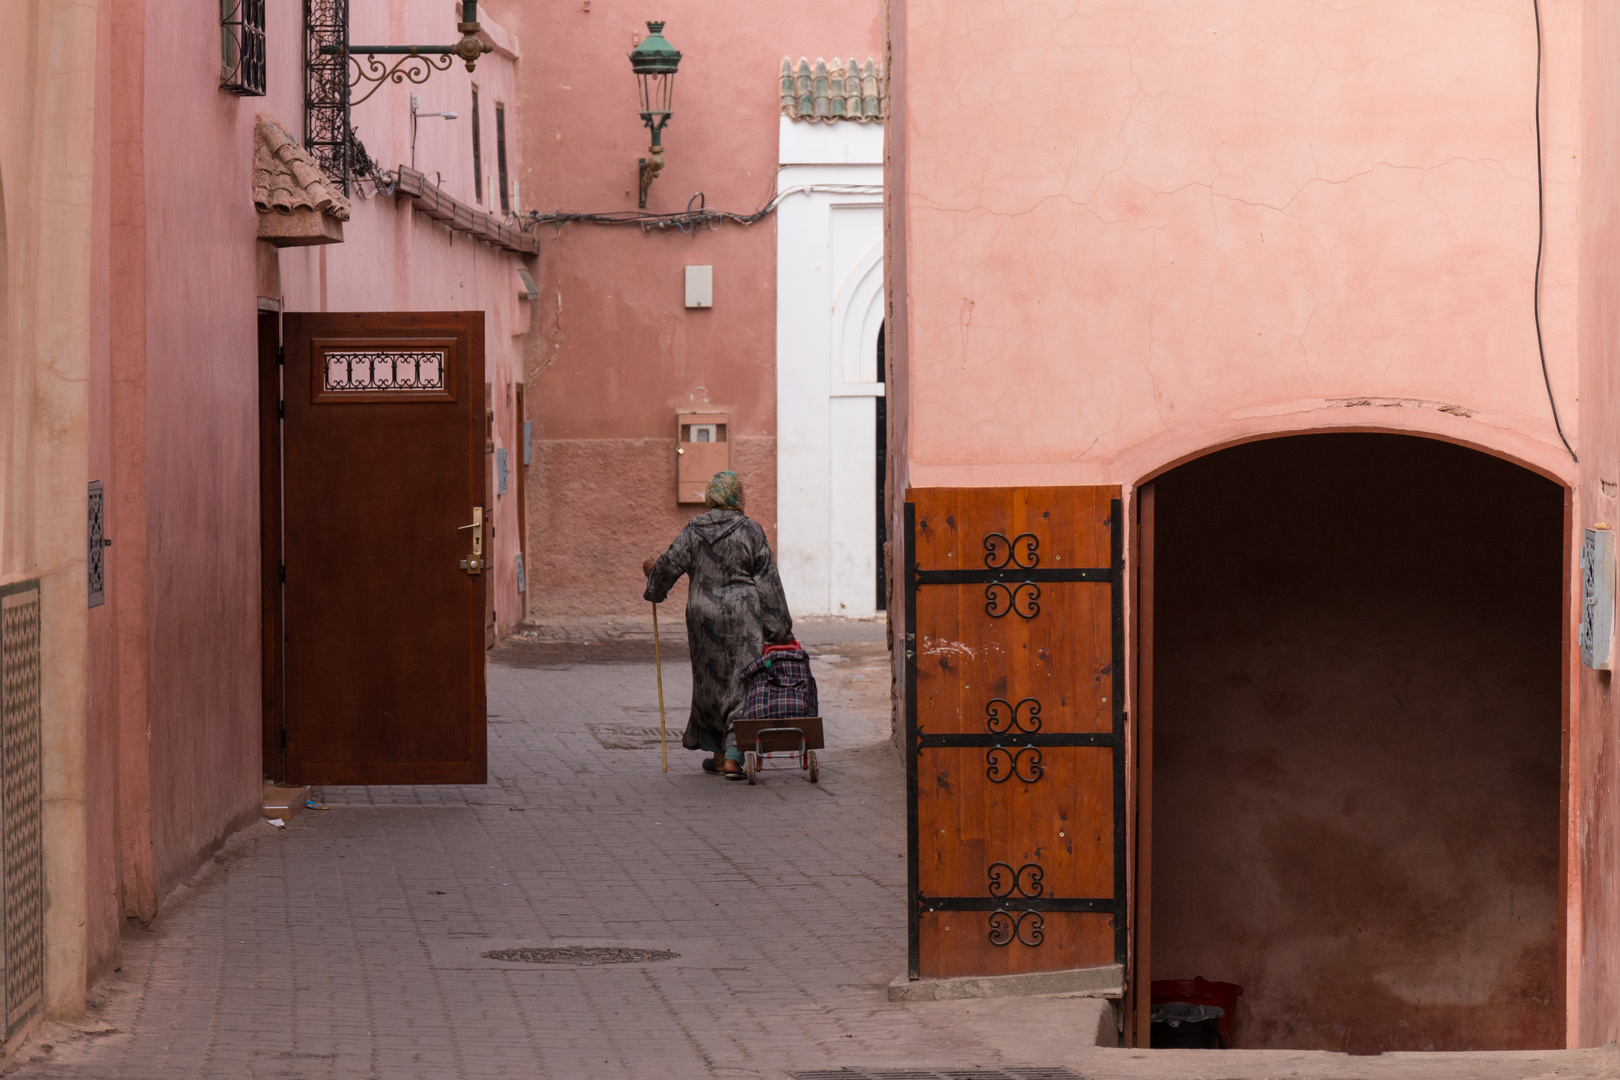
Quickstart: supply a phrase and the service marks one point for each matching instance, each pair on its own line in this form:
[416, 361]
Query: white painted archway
[829, 309]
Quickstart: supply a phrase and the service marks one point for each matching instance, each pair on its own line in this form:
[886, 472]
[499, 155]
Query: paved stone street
[349, 944]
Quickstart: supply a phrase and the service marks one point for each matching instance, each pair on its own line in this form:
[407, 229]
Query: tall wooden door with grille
[1015, 729]
[383, 507]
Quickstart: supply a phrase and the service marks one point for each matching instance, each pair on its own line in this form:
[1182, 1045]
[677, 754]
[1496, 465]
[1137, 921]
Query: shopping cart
[796, 737]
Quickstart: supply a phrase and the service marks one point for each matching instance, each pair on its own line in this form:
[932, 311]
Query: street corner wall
[1594, 794]
[1134, 232]
[615, 354]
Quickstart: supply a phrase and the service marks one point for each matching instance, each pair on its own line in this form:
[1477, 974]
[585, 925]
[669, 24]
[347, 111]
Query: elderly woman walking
[734, 608]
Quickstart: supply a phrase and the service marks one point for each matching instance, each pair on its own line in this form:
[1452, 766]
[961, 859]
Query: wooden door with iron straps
[385, 530]
[1015, 730]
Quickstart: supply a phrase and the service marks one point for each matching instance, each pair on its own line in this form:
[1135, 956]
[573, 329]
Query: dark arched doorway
[1356, 705]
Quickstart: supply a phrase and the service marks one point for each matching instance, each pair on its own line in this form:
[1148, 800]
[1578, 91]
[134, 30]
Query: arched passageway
[1356, 691]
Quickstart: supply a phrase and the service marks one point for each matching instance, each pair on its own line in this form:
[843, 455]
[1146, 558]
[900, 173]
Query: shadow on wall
[1357, 742]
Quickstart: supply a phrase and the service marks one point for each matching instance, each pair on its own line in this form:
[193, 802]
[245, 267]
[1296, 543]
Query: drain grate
[583, 955]
[1020, 1073]
[631, 736]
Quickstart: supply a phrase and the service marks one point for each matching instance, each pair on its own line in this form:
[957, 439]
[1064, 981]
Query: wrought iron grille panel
[21, 831]
[382, 370]
[326, 89]
[96, 561]
[241, 40]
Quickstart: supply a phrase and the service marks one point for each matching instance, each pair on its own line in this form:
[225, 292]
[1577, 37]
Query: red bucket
[1200, 991]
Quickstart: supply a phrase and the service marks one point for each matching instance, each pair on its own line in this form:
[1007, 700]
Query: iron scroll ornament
[1026, 928]
[1002, 764]
[1025, 881]
[412, 67]
[1005, 718]
[1021, 552]
[999, 599]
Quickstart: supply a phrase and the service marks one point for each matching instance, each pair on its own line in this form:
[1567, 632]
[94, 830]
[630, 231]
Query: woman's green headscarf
[725, 492]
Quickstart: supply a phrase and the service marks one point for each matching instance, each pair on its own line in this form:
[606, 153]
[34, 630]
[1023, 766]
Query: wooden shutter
[1015, 729]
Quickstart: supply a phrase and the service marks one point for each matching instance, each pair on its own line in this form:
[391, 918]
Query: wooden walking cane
[658, 662]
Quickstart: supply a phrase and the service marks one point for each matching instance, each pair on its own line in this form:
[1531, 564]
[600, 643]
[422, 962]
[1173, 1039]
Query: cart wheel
[815, 770]
[751, 765]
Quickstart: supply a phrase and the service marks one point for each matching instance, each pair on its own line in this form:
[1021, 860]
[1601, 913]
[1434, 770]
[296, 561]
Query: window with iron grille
[241, 40]
[478, 153]
[327, 136]
[500, 158]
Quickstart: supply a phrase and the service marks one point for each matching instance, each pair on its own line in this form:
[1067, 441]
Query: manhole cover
[584, 955]
[1015, 1073]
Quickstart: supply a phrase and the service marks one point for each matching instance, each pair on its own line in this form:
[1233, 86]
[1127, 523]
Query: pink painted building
[1321, 299]
[153, 674]
[622, 360]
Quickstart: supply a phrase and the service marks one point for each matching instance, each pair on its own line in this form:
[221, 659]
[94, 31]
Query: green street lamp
[654, 61]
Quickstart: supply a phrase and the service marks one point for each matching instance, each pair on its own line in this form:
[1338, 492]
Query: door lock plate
[474, 564]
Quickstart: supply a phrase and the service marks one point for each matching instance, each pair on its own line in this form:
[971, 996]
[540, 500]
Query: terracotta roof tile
[286, 178]
[848, 90]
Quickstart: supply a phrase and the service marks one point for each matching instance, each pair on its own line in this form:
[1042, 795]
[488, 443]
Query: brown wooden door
[1016, 721]
[383, 466]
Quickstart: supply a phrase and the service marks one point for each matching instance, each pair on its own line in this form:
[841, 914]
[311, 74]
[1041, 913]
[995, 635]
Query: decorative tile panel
[22, 863]
[96, 552]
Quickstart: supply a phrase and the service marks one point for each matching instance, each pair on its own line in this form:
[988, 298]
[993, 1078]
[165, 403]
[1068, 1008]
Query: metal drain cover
[1016, 1073]
[582, 955]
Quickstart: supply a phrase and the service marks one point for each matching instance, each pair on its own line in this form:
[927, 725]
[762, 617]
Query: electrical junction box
[702, 448]
[1597, 597]
[700, 286]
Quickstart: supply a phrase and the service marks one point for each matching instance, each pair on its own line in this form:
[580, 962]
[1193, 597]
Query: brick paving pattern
[348, 945]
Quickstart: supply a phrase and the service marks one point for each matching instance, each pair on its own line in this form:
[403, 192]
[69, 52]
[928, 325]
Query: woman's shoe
[709, 766]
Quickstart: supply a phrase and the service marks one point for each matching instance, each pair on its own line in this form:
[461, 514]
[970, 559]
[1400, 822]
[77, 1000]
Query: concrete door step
[1104, 982]
[283, 802]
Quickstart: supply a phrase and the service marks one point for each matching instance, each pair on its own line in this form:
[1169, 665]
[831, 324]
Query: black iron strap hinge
[281, 573]
[1096, 905]
[281, 409]
[284, 736]
[281, 355]
[1055, 738]
[1008, 576]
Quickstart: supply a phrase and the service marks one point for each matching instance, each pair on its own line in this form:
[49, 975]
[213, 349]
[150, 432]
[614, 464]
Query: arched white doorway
[829, 287]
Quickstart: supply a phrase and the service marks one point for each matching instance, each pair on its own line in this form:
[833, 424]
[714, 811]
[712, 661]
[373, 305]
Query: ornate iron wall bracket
[417, 62]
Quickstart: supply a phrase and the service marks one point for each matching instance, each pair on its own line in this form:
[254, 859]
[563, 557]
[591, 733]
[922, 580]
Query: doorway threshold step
[1107, 981]
[283, 802]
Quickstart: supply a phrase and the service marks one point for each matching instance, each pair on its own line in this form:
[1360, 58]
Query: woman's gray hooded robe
[734, 608]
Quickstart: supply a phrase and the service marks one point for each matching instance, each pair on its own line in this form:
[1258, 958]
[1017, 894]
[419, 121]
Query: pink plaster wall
[1594, 795]
[615, 353]
[1186, 228]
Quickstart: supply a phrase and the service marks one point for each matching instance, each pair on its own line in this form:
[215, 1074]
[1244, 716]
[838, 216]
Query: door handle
[474, 564]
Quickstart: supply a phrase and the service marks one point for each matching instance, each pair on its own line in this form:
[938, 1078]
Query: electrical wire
[1541, 241]
[697, 214]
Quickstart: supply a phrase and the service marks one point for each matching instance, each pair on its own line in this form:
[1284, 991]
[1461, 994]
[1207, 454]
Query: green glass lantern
[654, 61]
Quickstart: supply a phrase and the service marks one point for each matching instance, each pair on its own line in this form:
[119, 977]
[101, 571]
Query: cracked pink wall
[1193, 226]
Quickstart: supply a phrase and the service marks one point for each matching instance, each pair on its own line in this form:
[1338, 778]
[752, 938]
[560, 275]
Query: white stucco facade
[829, 311]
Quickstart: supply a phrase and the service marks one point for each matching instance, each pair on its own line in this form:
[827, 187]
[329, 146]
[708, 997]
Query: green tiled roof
[847, 90]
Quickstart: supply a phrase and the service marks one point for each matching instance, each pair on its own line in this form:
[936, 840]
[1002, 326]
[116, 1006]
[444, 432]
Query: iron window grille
[478, 152]
[96, 561]
[500, 158]
[241, 40]
[327, 136]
